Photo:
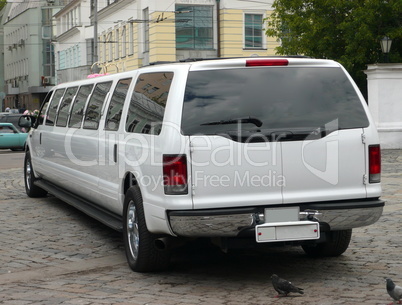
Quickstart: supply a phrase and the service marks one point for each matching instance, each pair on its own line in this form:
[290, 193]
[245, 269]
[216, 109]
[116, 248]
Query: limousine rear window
[77, 111]
[54, 104]
[95, 105]
[285, 98]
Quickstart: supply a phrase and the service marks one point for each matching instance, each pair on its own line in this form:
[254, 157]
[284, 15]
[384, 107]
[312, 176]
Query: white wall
[385, 102]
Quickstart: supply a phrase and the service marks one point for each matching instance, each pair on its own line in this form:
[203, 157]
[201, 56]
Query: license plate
[287, 231]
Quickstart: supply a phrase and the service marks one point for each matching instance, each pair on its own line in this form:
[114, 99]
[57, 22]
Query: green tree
[348, 31]
[2, 4]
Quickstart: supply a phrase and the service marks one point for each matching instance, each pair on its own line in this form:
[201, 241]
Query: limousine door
[82, 141]
[35, 137]
[42, 144]
[109, 181]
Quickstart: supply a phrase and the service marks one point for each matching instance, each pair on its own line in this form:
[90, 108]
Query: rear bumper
[337, 215]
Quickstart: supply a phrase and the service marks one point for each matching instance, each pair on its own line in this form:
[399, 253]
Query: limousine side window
[43, 109]
[116, 104]
[64, 108]
[93, 113]
[54, 103]
[147, 105]
[77, 112]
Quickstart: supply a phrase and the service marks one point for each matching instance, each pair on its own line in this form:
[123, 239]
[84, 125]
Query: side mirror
[27, 121]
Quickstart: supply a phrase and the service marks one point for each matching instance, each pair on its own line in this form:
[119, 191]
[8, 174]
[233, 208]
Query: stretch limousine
[245, 151]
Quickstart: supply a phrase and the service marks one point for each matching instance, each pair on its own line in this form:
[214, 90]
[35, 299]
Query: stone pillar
[385, 102]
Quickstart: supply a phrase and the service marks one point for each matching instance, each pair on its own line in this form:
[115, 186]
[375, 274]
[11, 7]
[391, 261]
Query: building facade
[131, 34]
[157, 31]
[73, 36]
[3, 13]
[28, 53]
[48, 42]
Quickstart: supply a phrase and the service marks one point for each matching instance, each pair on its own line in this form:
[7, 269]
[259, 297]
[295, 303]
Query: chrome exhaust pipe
[311, 215]
[168, 243]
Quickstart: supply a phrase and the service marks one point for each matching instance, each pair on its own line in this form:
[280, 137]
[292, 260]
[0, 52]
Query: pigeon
[284, 287]
[394, 291]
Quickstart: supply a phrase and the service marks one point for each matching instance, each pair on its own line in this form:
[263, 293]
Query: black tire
[31, 189]
[139, 243]
[338, 242]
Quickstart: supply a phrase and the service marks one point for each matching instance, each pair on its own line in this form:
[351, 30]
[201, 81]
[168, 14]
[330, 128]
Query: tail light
[266, 62]
[374, 163]
[175, 174]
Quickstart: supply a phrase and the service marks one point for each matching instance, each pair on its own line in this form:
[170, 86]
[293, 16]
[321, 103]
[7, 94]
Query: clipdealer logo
[239, 179]
[329, 172]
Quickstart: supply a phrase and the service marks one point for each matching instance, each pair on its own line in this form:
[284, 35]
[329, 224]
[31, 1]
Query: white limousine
[245, 151]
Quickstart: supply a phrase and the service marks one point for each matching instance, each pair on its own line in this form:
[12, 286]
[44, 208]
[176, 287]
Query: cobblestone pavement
[52, 254]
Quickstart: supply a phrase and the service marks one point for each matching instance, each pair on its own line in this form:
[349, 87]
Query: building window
[48, 58]
[89, 47]
[194, 27]
[109, 42]
[104, 58]
[145, 14]
[71, 17]
[131, 39]
[62, 60]
[46, 32]
[76, 56]
[117, 42]
[124, 42]
[253, 31]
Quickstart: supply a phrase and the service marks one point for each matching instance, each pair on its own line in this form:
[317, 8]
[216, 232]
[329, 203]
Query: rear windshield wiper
[251, 120]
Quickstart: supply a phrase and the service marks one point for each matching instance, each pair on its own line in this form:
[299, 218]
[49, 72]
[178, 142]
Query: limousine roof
[211, 64]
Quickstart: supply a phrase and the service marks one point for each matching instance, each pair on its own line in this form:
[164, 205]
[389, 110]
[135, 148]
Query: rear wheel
[338, 242]
[141, 253]
[31, 189]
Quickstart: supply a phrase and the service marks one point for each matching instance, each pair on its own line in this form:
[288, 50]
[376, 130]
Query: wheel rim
[133, 235]
[28, 173]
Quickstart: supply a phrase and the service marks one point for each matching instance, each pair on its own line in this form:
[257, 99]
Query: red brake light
[374, 163]
[258, 62]
[175, 174]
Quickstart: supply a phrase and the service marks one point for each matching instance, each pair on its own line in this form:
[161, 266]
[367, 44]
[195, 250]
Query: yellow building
[132, 34]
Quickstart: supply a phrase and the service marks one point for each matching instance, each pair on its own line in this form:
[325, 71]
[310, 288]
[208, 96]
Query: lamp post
[95, 45]
[386, 47]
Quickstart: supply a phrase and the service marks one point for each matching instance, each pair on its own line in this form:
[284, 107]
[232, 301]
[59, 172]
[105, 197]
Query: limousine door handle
[115, 153]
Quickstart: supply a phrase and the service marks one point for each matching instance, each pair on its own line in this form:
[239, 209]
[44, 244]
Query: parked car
[244, 151]
[8, 110]
[6, 117]
[11, 137]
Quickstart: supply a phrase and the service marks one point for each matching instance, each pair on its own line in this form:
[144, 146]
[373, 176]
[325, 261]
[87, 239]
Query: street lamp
[386, 47]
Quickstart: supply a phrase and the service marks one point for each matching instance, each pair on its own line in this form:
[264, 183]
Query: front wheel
[337, 243]
[141, 253]
[31, 189]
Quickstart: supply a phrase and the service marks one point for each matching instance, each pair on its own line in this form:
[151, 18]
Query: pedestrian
[22, 110]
